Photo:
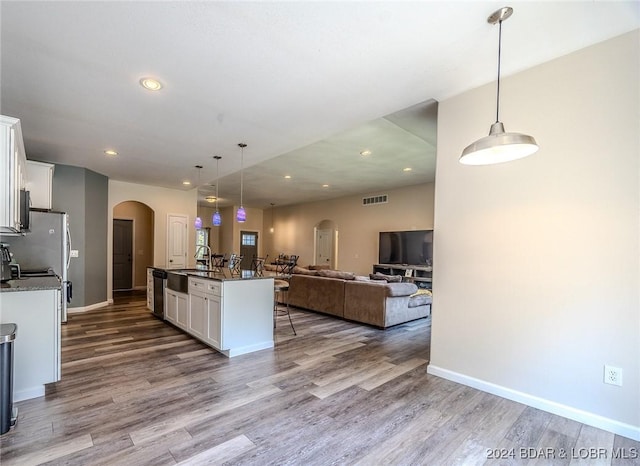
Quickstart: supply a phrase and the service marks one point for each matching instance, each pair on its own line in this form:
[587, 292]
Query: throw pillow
[422, 291]
[318, 267]
[303, 271]
[336, 274]
[387, 278]
[394, 278]
[362, 278]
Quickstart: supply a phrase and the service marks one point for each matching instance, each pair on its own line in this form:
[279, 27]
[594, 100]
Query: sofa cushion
[401, 289]
[416, 300]
[336, 274]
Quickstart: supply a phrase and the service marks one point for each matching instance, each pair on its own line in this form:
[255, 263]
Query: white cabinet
[176, 308]
[40, 183]
[214, 322]
[233, 316]
[36, 349]
[150, 289]
[13, 166]
[205, 311]
[198, 315]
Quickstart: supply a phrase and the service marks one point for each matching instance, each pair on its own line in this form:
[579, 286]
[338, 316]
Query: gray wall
[83, 195]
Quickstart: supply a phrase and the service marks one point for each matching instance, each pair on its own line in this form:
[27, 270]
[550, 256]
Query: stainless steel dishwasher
[159, 283]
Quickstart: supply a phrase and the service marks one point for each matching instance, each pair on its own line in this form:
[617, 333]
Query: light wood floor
[137, 391]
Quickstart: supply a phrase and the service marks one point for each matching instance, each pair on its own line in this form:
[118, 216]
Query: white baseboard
[28, 393]
[585, 417]
[91, 307]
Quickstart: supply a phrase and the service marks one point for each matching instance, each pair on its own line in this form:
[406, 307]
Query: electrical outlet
[74, 253]
[613, 375]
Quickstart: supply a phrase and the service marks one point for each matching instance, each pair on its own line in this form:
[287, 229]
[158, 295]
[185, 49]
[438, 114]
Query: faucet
[207, 257]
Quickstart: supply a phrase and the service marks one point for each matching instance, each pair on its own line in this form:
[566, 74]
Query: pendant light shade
[198, 223]
[216, 219]
[498, 146]
[241, 214]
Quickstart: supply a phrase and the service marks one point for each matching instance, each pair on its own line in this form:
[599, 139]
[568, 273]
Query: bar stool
[257, 265]
[281, 286]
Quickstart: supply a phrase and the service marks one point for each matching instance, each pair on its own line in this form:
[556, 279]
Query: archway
[133, 244]
[325, 244]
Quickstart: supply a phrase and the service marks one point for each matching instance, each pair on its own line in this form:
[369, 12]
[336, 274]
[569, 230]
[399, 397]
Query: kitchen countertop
[223, 275]
[31, 284]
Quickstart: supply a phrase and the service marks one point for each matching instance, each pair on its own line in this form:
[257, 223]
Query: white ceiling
[305, 84]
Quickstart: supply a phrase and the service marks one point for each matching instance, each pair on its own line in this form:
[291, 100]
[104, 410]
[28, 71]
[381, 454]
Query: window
[202, 239]
[249, 239]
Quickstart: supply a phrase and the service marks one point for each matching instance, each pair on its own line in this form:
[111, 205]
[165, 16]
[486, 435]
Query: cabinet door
[183, 311]
[198, 315]
[171, 306]
[40, 183]
[13, 163]
[214, 322]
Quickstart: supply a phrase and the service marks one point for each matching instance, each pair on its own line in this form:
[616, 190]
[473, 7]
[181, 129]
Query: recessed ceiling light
[364, 153]
[151, 84]
[110, 152]
[408, 169]
[287, 177]
[186, 183]
[325, 185]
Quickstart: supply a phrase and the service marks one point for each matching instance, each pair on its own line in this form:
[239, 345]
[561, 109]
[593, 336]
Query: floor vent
[381, 199]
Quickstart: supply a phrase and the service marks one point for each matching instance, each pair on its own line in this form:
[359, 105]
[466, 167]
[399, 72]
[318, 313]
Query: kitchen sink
[178, 281]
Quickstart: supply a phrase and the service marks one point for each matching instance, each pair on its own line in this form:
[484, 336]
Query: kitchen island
[34, 305]
[232, 313]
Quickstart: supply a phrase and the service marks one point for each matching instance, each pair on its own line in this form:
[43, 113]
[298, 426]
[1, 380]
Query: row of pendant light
[241, 214]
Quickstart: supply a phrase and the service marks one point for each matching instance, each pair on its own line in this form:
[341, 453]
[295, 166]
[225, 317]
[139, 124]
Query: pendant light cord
[499, 54]
[241, 173]
[217, 179]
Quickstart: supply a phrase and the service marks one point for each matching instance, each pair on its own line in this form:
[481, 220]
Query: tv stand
[418, 274]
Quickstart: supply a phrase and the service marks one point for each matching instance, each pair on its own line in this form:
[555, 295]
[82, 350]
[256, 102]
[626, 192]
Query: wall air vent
[381, 199]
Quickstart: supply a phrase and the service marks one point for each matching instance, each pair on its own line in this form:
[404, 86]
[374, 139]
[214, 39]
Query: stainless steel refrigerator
[45, 250]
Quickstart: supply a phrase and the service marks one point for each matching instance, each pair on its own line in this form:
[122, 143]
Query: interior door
[122, 249]
[324, 247]
[248, 247]
[177, 240]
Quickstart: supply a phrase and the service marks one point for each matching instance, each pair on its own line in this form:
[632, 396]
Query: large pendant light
[241, 215]
[198, 222]
[499, 146]
[216, 219]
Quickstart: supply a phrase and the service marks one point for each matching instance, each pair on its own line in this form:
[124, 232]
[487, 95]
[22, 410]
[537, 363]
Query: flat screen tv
[406, 247]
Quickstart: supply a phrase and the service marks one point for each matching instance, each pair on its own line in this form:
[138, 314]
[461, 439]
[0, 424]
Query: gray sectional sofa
[359, 299]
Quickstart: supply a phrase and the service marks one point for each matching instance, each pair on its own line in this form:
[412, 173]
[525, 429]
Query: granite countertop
[32, 284]
[223, 275]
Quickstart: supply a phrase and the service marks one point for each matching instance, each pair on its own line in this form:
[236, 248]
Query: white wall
[409, 208]
[162, 201]
[537, 284]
